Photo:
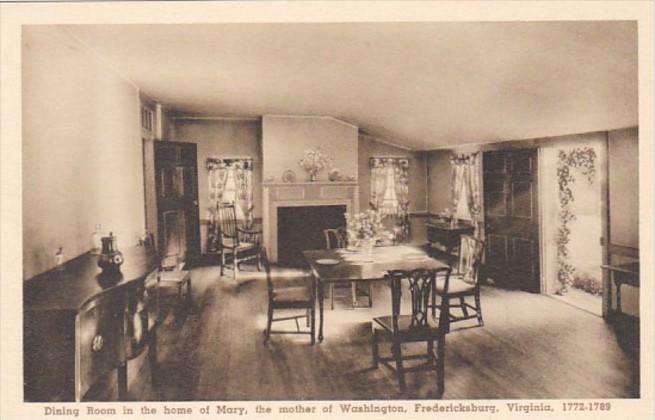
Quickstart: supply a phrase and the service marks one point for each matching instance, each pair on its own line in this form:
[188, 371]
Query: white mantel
[276, 195]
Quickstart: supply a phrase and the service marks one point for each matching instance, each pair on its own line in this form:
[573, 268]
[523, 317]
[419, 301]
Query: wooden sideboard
[80, 325]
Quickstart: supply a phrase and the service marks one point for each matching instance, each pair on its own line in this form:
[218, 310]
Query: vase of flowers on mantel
[314, 161]
[365, 229]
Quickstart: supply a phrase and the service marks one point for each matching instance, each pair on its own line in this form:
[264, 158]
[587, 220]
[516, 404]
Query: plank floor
[531, 346]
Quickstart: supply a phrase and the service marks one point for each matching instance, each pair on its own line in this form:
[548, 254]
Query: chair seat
[292, 294]
[175, 276]
[230, 243]
[456, 285]
[404, 325]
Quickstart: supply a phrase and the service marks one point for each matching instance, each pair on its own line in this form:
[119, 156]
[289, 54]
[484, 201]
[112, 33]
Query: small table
[355, 266]
[447, 234]
[623, 274]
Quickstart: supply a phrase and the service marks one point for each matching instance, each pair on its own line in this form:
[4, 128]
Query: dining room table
[350, 264]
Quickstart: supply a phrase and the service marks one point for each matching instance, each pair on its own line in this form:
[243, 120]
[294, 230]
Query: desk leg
[319, 285]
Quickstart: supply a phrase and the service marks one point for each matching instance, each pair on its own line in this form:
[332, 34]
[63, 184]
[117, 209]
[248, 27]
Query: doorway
[176, 180]
[572, 222]
[511, 212]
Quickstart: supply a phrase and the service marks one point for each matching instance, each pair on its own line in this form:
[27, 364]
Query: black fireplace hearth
[301, 228]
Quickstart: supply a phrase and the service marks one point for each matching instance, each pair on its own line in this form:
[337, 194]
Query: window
[389, 204]
[230, 192]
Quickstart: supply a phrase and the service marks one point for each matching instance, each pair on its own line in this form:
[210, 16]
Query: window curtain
[466, 188]
[391, 172]
[241, 170]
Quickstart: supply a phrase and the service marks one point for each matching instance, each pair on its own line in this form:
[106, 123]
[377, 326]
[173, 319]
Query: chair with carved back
[464, 283]
[338, 238]
[289, 297]
[417, 325]
[234, 241]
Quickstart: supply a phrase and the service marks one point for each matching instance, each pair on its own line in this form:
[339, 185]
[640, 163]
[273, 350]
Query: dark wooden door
[176, 172]
[512, 218]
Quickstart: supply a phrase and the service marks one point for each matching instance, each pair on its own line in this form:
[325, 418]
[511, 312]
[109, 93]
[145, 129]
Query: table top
[353, 265]
[630, 268]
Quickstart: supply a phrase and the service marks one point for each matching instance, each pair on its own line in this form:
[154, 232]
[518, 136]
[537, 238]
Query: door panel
[512, 218]
[177, 200]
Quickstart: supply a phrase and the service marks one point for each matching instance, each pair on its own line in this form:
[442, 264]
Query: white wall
[82, 158]
[285, 138]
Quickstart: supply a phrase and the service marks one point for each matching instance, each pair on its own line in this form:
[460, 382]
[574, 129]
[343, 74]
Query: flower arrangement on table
[314, 162]
[365, 229]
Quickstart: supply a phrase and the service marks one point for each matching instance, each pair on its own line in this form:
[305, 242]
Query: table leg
[122, 381]
[320, 309]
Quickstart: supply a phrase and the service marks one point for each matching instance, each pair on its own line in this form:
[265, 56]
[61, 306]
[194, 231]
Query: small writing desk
[623, 274]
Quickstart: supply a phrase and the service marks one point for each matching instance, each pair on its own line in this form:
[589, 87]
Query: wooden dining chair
[289, 297]
[234, 241]
[338, 238]
[464, 283]
[417, 325]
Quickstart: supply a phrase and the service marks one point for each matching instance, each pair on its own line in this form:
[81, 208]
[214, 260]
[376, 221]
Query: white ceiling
[423, 85]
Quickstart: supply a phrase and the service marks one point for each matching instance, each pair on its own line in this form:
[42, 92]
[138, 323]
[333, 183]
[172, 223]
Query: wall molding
[323, 117]
[213, 118]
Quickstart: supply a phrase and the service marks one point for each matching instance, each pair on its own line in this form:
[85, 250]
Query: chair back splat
[470, 257]
[335, 238]
[420, 284]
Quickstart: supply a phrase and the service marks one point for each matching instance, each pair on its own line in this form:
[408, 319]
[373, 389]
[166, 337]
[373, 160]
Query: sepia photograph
[381, 216]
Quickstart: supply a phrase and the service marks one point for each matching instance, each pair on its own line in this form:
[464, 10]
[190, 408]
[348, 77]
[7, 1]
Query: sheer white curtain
[230, 180]
[466, 188]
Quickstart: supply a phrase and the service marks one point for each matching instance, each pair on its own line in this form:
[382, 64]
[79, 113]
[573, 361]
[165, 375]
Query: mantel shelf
[321, 183]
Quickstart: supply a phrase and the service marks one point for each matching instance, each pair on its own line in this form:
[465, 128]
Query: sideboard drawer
[99, 339]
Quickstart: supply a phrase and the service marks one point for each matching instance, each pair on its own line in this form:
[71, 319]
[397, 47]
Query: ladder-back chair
[234, 241]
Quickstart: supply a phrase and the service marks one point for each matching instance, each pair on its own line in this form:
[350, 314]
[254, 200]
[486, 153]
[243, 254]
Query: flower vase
[367, 246]
[313, 176]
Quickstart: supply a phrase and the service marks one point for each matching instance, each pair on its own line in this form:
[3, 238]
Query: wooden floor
[531, 346]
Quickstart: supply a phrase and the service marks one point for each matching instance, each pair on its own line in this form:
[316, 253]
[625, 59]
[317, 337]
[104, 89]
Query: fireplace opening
[301, 228]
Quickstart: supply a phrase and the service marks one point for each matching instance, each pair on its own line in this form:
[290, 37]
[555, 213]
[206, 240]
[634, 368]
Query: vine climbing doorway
[572, 225]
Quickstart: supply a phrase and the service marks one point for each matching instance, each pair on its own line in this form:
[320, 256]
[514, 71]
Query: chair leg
[441, 351]
[478, 308]
[353, 292]
[400, 371]
[235, 270]
[332, 296]
[430, 352]
[222, 263]
[313, 324]
[462, 303]
[269, 322]
[375, 348]
[370, 294]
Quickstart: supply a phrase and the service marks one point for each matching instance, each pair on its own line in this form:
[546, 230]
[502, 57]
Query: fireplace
[301, 227]
[328, 200]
